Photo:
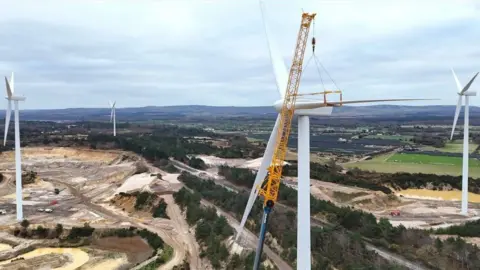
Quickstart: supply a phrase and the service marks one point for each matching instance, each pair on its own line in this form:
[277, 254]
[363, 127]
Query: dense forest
[416, 245]
[179, 143]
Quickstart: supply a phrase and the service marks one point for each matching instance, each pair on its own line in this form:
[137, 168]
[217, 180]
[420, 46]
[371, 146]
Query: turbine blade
[8, 114]
[468, 84]
[279, 68]
[459, 86]
[111, 114]
[9, 89]
[113, 105]
[457, 113]
[379, 100]
[260, 177]
[318, 104]
[12, 83]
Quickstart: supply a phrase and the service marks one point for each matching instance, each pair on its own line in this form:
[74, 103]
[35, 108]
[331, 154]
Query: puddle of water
[108, 264]
[4, 247]
[79, 256]
[450, 195]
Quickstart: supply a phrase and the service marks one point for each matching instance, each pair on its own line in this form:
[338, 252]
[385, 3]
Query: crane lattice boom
[270, 190]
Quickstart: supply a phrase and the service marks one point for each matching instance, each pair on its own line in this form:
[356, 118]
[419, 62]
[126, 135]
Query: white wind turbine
[304, 108]
[112, 117]
[18, 157]
[463, 92]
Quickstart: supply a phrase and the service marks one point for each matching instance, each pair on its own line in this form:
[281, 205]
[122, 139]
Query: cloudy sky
[81, 53]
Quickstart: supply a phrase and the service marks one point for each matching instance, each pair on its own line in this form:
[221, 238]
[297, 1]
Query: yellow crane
[271, 187]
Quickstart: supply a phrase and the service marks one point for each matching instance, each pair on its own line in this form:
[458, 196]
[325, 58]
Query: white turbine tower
[18, 157]
[112, 117]
[463, 92]
[304, 108]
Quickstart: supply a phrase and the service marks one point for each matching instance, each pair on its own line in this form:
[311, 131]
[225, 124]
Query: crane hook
[313, 44]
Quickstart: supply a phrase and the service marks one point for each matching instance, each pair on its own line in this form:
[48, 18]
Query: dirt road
[169, 238]
[175, 214]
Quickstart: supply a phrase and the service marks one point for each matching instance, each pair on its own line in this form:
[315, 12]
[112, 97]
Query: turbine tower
[18, 157]
[463, 92]
[112, 117]
[304, 108]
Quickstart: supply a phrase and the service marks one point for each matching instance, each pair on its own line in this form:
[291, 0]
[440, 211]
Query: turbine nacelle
[468, 93]
[14, 98]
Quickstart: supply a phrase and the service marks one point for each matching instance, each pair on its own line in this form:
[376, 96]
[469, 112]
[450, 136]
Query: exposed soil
[136, 248]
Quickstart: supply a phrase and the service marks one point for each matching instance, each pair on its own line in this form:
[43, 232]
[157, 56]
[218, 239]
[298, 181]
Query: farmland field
[428, 159]
[433, 164]
[452, 147]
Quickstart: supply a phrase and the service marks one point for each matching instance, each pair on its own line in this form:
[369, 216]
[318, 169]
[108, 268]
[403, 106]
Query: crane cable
[319, 64]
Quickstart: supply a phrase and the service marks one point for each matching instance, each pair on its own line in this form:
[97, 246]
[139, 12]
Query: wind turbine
[112, 117]
[304, 108]
[18, 157]
[463, 92]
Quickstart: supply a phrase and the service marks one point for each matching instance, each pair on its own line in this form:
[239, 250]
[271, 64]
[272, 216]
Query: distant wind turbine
[18, 157]
[463, 92]
[112, 117]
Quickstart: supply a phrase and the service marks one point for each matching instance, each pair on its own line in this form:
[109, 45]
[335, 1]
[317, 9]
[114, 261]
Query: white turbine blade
[279, 68]
[305, 105]
[467, 86]
[457, 112]
[111, 114]
[9, 89]
[378, 100]
[113, 105]
[459, 86]
[8, 114]
[261, 174]
[12, 83]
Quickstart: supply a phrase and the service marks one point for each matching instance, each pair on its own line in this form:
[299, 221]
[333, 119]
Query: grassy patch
[380, 164]
[452, 147]
[429, 159]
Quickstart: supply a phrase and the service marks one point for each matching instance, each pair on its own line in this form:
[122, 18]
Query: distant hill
[199, 111]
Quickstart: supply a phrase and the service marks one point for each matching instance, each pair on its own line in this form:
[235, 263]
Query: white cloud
[168, 52]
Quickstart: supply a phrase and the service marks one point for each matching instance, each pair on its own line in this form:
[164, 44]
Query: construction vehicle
[395, 213]
[269, 191]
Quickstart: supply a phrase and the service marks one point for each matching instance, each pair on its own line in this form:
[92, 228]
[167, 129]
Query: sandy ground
[450, 195]
[136, 182]
[90, 176]
[213, 161]
[78, 256]
[4, 247]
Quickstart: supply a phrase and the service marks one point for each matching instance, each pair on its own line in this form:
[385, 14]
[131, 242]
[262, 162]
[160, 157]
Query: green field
[432, 160]
[417, 163]
[452, 147]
